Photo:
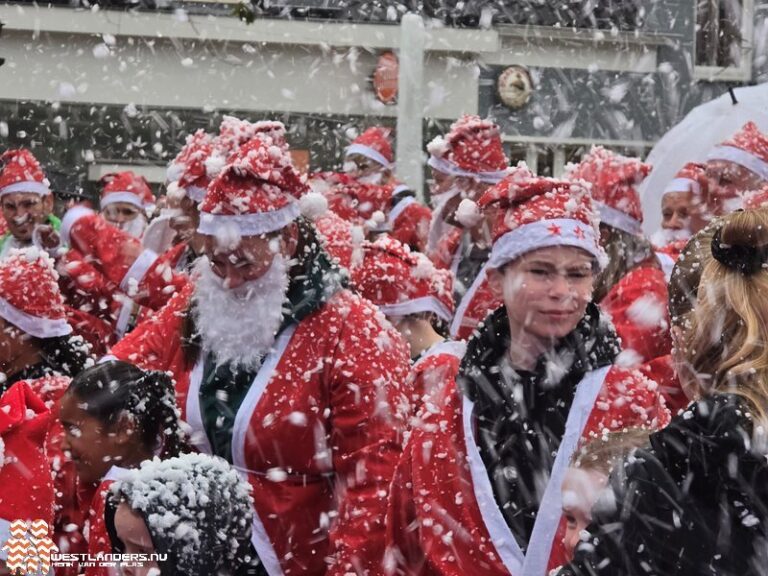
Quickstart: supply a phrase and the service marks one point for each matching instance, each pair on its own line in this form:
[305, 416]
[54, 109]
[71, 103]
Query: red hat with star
[538, 213]
[690, 178]
[30, 298]
[747, 148]
[402, 282]
[471, 149]
[258, 192]
[613, 180]
[126, 187]
[374, 144]
[21, 172]
[188, 170]
[25, 472]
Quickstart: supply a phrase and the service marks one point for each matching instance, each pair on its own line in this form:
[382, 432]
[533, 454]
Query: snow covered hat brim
[418, 306]
[544, 234]
[32, 325]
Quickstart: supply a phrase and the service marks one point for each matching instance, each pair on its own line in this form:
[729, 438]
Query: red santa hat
[690, 178]
[359, 203]
[747, 148]
[540, 213]
[614, 179]
[258, 192]
[755, 199]
[25, 472]
[30, 298]
[21, 172]
[374, 144]
[126, 187]
[188, 173]
[402, 282]
[471, 149]
[234, 132]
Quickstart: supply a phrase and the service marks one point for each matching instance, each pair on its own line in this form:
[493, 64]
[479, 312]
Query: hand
[46, 237]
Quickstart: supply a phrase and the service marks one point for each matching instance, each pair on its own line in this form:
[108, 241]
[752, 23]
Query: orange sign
[385, 78]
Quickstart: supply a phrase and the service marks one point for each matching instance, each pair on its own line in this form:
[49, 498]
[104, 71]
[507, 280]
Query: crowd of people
[261, 371]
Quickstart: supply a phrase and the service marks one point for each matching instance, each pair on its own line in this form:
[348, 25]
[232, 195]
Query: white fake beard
[133, 227]
[238, 326]
[665, 236]
[374, 178]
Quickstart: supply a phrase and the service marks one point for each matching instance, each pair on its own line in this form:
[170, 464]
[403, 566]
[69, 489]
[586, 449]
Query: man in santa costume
[369, 159]
[284, 373]
[25, 198]
[417, 299]
[632, 289]
[682, 197]
[536, 377]
[465, 163]
[738, 165]
[126, 202]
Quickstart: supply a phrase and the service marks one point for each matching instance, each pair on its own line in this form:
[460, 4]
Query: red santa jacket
[68, 515]
[447, 250]
[478, 301]
[429, 373]
[662, 371]
[409, 222]
[319, 431]
[99, 541]
[668, 256]
[443, 518]
[637, 306]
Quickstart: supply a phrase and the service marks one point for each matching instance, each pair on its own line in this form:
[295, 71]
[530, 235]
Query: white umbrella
[692, 139]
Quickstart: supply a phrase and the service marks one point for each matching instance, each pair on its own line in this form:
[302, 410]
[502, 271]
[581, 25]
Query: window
[724, 37]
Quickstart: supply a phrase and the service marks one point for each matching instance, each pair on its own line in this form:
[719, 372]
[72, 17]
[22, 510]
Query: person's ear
[496, 281]
[125, 431]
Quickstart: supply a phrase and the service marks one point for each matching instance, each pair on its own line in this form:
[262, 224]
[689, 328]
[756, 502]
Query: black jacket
[694, 503]
[520, 416]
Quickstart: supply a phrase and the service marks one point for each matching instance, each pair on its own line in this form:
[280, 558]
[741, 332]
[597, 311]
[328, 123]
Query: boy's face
[581, 489]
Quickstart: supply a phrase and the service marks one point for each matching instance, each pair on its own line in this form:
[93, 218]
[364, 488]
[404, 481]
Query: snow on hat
[21, 172]
[690, 178]
[234, 132]
[747, 148]
[540, 213]
[402, 282]
[359, 203]
[614, 179]
[374, 144]
[25, 472]
[755, 199]
[126, 187]
[188, 170]
[256, 193]
[472, 148]
[30, 298]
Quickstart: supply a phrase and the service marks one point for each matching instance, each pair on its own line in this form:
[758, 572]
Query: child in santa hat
[632, 289]
[127, 202]
[115, 416]
[537, 376]
[194, 508]
[417, 299]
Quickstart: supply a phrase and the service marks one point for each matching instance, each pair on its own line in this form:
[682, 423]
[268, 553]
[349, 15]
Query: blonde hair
[603, 453]
[726, 344]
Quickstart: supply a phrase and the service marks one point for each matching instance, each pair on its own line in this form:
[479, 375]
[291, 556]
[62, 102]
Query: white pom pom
[175, 191]
[468, 213]
[313, 205]
[214, 164]
[174, 171]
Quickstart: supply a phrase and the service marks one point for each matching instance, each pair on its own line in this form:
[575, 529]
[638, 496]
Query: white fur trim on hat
[122, 196]
[30, 186]
[399, 208]
[313, 205]
[368, 152]
[544, 234]
[33, 325]
[742, 158]
[416, 306]
[138, 270]
[249, 224]
[195, 193]
[70, 219]
[448, 167]
[619, 219]
[683, 185]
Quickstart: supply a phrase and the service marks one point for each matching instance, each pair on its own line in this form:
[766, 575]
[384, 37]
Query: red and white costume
[318, 433]
[455, 526]
[747, 148]
[637, 304]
